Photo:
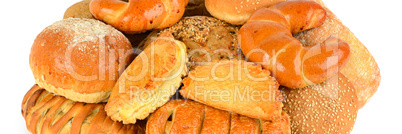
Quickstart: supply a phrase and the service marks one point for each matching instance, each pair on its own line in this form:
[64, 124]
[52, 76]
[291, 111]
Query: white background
[377, 24]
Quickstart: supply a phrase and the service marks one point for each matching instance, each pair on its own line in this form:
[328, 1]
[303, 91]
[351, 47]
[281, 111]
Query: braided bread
[45, 112]
[267, 38]
[191, 117]
[137, 16]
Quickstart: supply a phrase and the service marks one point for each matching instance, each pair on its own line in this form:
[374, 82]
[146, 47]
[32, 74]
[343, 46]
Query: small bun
[236, 12]
[80, 59]
[79, 10]
[329, 107]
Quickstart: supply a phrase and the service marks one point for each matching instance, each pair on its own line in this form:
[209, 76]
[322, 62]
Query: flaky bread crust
[329, 107]
[149, 81]
[45, 112]
[192, 117]
[362, 69]
[237, 86]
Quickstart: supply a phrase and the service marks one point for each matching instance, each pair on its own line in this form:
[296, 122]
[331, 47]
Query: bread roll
[79, 10]
[45, 112]
[149, 81]
[186, 116]
[267, 39]
[137, 16]
[206, 39]
[236, 86]
[236, 11]
[80, 59]
[362, 69]
[330, 107]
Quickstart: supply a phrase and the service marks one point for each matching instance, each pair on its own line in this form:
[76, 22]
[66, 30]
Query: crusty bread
[236, 11]
[206, 39]
[191, 117]
[362, 69]
[330, 107]
[149, 81]
[137, 16]
[45, 112]
[79, 10]
[80, 59]
[267, 39]
[237, 86]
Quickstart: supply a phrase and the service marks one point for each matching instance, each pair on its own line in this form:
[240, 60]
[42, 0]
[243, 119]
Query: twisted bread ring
[267, 38]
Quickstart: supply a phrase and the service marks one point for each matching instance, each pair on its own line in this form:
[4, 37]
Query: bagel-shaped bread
[80, 59]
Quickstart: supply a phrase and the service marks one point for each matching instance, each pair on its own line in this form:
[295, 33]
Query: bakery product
[80, 59]
[186, 116]
[79, 10]
[45, 112]
[138, 16]
[236, 11]
[267, 39]
[362, 69]
[206, 38]
[237, 86]
[329, 107]
[149, 81]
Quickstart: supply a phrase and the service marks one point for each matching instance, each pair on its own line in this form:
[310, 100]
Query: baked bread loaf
[45, 113]
[236, 11]
[326, 108]
[149, 81]
[267, 39]
[79, 10]
[186, 116]
[206, 38]
[138, 16]
[236, 86]
[362, 69]
[80, 59]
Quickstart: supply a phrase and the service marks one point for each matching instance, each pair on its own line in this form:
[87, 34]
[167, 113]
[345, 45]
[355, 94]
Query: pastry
[267, 39]
[149, 81]
[236, 86]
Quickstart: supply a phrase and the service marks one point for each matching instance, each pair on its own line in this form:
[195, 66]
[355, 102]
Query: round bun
[79, 10]
[329, 107]
[236, 11]
[80, 59]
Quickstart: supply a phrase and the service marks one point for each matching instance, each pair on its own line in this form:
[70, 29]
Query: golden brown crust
[267, 39]
[80, 59]
[186, 116]
[237, 86]
[236, 11]
[206, 39]
[329, 107]
[79, 10]
[138, 16]
[362, 69]
[149, 81]
[45, 112]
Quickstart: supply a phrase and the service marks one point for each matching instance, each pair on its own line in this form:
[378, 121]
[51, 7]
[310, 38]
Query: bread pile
[195, 66]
